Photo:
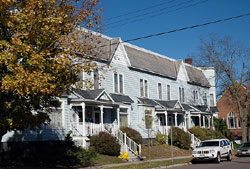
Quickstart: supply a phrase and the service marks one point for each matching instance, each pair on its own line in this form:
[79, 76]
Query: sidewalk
[137, 162]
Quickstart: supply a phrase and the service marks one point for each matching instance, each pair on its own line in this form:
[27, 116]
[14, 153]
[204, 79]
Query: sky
[130, 19]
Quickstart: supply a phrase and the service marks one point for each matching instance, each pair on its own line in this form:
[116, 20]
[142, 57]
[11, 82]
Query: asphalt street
[240, 163]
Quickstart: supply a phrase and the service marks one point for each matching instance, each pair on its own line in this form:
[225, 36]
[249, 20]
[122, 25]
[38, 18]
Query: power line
[189, 27]
[137, 11]
[151, 16]
[148, 13]
[180, 29]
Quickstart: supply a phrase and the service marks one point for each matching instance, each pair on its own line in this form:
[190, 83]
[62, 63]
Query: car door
[224, 149]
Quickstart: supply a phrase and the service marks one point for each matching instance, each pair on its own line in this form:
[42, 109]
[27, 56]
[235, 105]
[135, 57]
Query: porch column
[175, 118]
[185, 122]
[204, 124]
[83, 118]
[209, 125]
[101, 108]
[199, 120]
[118, 117]
[166, 118]
[212, 125]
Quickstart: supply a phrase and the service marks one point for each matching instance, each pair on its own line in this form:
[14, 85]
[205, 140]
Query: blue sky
[177, 45]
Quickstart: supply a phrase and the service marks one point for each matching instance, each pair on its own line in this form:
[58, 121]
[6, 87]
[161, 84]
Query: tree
[230, 60]
[40, 56]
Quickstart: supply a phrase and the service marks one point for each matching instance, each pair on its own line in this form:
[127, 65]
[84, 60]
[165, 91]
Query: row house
[177, 93]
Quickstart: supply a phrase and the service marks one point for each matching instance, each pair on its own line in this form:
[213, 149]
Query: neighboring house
[229, 112]
[179, 94]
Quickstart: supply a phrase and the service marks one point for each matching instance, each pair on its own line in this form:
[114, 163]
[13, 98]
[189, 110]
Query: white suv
[213, 150]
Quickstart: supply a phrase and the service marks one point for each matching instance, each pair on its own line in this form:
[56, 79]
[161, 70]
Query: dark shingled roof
[121, 98]
[186, 107]
[167, 104]
[196, 76]
[148, 102]
[202, 108]
[89, 94]
[214, 109]
[150, 62]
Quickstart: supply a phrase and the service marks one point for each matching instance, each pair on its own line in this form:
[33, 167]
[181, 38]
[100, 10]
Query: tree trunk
[244, 131]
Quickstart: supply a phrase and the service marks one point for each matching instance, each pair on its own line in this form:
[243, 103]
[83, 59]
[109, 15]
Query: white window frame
[119, 85]
[143, 88]
[231, 115]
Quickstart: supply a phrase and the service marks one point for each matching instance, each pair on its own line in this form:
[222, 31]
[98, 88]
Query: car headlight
[212, 151]
[238, 151]
[194, 152]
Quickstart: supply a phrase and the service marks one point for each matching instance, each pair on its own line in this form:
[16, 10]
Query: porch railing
[194, 140]
[128, 143]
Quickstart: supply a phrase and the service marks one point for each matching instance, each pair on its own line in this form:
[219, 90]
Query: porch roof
[147, 101]
[187, 107]
[202, 108]
[214, 109]
[89, 94]
[121, 98]
[167, 104]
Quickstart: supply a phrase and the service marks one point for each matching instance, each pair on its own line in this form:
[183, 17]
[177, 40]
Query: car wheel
[217, 160]
[229, 157]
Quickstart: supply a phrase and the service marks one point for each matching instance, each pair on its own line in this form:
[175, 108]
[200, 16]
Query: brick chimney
[189, 61]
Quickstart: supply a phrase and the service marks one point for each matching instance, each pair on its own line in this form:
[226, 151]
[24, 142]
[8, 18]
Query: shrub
[47, 153]
[220, 125]
[161, 138]
[205, 134]
[105, 143]
[180, 138]
[133, 134]
[198, 132]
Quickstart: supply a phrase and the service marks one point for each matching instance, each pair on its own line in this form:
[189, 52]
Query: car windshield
[246, 145]
[209, 143]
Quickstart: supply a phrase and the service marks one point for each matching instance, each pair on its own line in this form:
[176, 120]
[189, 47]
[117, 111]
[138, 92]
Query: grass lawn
[153, 164]
[163, 151]
[105, 159]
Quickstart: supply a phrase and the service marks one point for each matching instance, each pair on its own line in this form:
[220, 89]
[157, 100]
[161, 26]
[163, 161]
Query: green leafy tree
[39, 56]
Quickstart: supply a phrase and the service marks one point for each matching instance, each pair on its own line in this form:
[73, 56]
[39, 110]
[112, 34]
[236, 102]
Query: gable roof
[121, 98]
[89, 94]
[196, 76]
[168, 104]
[100, 46]
[148, 102]
[151, 62]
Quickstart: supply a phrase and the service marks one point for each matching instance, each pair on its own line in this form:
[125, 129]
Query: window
[168, 92]
[181, 94]
[205, 98]
[146, 88]
[81, 78]
[239, 123]
[196, 95]
[211, 99]
[56, 118]
[121, 83]
[143, 88]
[118, 83]
[231, 120]
[159, 91]
[96, 79]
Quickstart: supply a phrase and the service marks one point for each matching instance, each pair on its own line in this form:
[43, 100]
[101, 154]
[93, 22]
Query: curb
[171, 166]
